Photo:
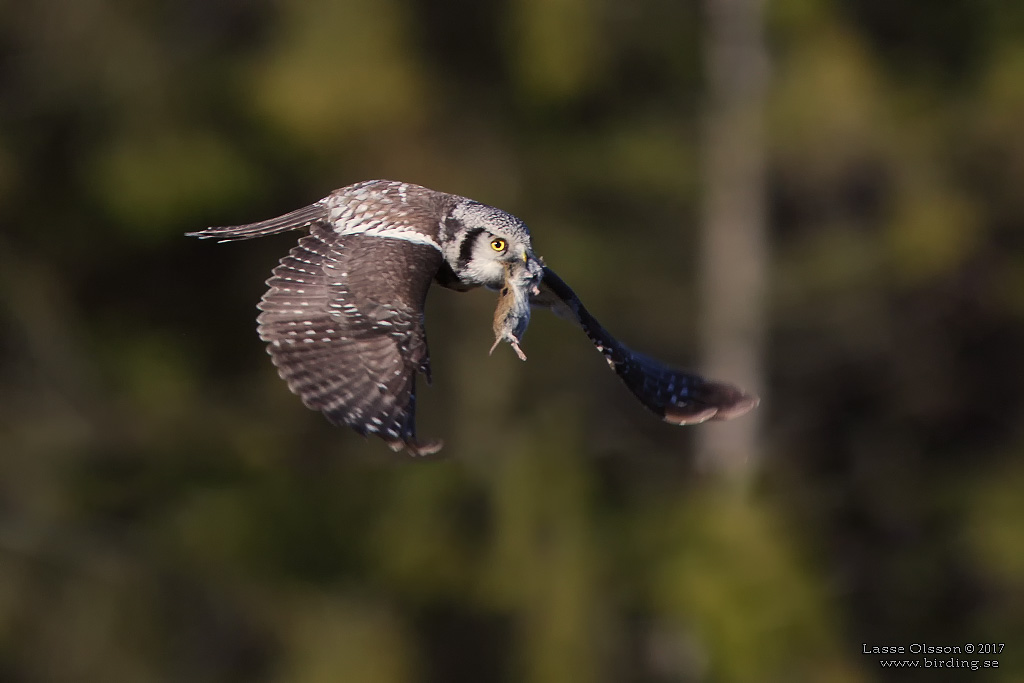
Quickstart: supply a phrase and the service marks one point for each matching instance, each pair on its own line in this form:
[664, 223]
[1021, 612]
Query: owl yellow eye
[498, 244]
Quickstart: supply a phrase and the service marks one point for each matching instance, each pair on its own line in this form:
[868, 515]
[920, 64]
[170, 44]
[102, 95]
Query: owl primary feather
[343, 316]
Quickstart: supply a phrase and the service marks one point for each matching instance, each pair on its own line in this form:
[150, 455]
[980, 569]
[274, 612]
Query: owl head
[488, 242]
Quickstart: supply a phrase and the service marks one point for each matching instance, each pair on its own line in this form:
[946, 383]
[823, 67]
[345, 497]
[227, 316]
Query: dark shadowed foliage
[170, 511]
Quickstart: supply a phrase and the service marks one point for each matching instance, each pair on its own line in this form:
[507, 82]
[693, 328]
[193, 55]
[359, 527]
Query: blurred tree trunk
[733, 255]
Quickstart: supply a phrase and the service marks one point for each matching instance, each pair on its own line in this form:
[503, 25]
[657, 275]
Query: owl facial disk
[485, 240]
[489, 254]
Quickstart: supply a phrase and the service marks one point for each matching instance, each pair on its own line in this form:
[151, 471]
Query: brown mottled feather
[344, 324]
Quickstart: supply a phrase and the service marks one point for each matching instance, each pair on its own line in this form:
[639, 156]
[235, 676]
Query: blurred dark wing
[678, 397]
[343, 319]
[294, 220]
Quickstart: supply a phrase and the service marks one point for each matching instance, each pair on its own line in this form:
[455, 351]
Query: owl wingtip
[741, 406]
[417, 448]
[734, 404]
[688, 415]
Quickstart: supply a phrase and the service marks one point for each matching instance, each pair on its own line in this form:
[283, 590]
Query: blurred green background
[170, 512]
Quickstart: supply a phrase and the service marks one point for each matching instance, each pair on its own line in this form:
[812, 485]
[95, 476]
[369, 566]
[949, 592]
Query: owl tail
[295, 220]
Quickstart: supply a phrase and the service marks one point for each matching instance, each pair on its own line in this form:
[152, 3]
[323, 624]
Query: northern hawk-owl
[343, 317]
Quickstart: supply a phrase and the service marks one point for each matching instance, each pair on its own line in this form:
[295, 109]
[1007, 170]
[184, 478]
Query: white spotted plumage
[355, 288]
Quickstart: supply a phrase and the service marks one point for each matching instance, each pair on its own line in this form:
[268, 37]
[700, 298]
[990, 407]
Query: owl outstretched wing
[677, 397]
[343, 315]
[343, 322]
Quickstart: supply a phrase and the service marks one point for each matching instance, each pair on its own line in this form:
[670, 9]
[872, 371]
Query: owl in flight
[343, 317]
